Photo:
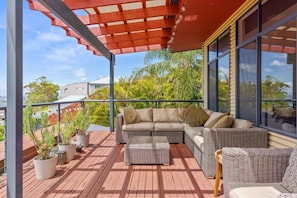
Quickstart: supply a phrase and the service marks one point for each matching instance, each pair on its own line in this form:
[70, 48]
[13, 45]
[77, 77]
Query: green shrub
[2, 132]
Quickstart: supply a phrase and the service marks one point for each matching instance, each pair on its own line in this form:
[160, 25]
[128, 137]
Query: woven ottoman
[147, 150]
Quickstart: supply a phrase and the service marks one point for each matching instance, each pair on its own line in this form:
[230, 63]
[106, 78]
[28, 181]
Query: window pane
[247, 82]
[248, 25]
[212, 86]
[223, 83]
[278, 78]
[212, 51]
[275, 10]
[224, 43]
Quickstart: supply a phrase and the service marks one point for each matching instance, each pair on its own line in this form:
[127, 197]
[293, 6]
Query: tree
[273, 89]
[175, 75]
[41, 90]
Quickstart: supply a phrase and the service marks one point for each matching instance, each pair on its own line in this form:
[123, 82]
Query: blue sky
[47, 51]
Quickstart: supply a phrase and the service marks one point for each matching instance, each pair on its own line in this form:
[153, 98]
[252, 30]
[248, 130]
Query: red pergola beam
[125, 15]
[129, 37]
[81, 4]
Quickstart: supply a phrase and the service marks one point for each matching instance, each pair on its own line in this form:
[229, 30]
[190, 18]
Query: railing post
[111, 92]
[59, 122]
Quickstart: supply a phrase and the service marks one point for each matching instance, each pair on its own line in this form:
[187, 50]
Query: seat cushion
[199, 141]
[141, 126]
[169, 126]
[256, 190]
[193, 131]
[290, 177]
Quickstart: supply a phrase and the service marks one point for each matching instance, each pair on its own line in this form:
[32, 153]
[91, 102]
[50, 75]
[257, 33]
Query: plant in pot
[46, 160]
[81, 122]
[66, 134]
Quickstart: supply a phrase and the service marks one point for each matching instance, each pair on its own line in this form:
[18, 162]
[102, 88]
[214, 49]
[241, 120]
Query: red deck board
[99, 171]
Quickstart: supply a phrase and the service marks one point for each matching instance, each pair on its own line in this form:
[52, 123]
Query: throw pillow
[214, 117]
[195, 116]
[224, 122]
[130, 115]
[290, 177]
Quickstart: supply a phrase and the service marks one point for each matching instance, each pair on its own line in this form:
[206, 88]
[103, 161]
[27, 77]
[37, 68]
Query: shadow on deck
[99, 171]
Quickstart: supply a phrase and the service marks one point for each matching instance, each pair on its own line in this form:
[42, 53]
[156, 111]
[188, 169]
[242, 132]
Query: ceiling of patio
[125, 26]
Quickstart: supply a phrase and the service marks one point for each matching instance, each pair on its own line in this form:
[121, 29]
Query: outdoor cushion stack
[202, 130]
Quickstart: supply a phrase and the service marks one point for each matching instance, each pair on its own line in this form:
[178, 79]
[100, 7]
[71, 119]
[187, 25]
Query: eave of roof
[125, 26]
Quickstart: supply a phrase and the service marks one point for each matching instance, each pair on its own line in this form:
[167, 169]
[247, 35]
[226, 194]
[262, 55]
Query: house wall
[275, 140]
[74, 89]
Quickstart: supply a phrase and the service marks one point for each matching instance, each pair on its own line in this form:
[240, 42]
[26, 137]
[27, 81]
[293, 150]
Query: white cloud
[80, 73]
[248, 67]
[268, 70]
[50, 36]
[64, 53]
[277, 63]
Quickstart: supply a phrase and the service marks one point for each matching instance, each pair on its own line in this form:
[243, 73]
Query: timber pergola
[107, 28]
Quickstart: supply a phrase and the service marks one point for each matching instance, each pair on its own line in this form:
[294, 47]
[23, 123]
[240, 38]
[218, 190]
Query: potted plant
[81, 122]
[46, 160]
[66, 134]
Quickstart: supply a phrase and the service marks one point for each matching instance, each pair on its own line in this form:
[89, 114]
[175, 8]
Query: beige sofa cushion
[199, 141]
[142, 126]
[214, 117]
[224, 122]
[181, 114]
[165, 115]
[145, 115]
[193, 131]
[251, 190]
[241, 123]
[195, 116]
[169, 126]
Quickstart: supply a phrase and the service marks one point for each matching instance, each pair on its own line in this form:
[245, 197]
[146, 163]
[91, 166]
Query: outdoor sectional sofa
[202, 130]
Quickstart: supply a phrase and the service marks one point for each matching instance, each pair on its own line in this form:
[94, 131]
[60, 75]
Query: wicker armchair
[258, 172]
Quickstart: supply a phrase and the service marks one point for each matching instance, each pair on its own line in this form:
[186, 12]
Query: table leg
[218, 177]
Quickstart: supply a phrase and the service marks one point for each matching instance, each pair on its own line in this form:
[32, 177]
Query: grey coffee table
[147, 150]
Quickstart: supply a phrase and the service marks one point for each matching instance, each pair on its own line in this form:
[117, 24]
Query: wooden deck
[100, 172]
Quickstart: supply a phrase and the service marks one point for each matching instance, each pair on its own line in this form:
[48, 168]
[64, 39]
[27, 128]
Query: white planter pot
[83, 139]
[45, 169]
[70, 151]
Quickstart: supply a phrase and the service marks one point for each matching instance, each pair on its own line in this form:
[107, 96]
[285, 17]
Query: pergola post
[14, 119]
[111, 92]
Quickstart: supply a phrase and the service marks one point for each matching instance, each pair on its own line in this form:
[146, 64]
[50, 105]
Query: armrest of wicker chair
[254, 165]
[120, 121]
[217, 138]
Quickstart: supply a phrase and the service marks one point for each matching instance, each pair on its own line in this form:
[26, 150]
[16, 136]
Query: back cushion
[165, 115]
[241, 123]
[145, 115]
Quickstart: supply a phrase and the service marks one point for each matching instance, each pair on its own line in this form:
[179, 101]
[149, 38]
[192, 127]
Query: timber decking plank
[101, 172]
